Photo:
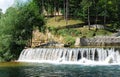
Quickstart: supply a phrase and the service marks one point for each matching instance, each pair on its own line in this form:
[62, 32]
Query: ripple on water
[63, 70]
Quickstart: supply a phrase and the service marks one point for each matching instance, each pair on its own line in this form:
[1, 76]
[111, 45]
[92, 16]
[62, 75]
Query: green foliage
[52, 29]
[102, 32]
[72, 32]
[1, 13]
[17, 24]
[100, 11]
[70, 40]
[16, 29]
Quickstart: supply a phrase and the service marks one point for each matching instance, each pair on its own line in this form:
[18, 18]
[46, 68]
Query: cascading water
[71, 55]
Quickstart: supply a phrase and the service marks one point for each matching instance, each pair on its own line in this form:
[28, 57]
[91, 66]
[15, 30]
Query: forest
[90, 11]
[18, 22]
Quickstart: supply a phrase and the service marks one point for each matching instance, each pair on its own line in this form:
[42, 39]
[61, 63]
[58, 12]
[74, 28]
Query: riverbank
[57, 31]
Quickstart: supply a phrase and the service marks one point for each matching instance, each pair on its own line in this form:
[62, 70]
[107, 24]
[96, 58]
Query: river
[16, 69]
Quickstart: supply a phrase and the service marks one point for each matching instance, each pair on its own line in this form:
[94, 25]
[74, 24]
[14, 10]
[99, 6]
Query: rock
[84, 41]
[52, 44]
[109, 59]
[83, 60]
[59, 45]
[99, 41]
[67, 45]
[77, 42]
[60, 60]
[118, 34]
[98, 26]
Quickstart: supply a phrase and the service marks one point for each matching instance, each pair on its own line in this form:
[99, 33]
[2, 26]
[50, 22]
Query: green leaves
[16, 27]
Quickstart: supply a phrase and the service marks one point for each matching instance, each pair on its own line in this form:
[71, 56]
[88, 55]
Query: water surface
[57, 70]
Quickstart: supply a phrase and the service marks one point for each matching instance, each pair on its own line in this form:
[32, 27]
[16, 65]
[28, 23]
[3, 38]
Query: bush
[70, 40]
[62, 32]
[52, 29]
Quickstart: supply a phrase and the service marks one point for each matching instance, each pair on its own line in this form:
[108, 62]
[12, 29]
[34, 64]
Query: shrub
[70, 40]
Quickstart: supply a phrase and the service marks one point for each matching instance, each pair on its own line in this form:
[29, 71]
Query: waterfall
[80, 55]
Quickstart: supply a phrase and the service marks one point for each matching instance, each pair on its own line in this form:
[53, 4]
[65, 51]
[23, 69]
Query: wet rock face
[83, 60]
[109, 59]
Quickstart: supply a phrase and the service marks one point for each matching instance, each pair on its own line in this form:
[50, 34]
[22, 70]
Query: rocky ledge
[98, 41]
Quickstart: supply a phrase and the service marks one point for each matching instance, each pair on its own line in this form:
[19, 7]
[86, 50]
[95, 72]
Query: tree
[16, 28]
[86, 7]
[96, 7]
[105, 11]
[67, 11]
[28, 18]
[1, 13]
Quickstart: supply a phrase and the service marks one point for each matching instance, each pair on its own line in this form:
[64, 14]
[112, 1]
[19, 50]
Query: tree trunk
[55, 10]
[89, 18]
[116, 8]
[47, 8]
[64, 3]
[58, 7]
[66, 12]
[52, 9]
[96, 14]
[96, 19]
[96, 23]
[105, 13]
[42, 6]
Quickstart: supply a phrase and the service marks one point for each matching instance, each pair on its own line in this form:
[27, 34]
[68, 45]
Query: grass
[93, 32]
[60, 22]
[71, 33]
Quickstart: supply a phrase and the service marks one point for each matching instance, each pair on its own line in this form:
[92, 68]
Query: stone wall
[100, 41]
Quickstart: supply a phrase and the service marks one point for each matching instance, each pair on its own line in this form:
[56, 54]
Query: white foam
[80, 56]
[80, 62]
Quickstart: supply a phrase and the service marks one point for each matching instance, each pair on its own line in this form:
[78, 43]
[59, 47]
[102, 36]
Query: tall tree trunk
[42, 6]
[55, 9]
[116, 9]
[105, 13]
[83, 12]
[52, 9]
[89, 17]
[58, 7]
[47, 8]
[64, 3]
[67, 12]
[96, 19]
[96, 14]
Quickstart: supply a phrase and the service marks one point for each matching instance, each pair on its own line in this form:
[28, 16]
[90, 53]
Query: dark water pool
[51, 70]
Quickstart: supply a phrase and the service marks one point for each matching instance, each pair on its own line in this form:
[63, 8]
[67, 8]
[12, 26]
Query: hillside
[58, 31]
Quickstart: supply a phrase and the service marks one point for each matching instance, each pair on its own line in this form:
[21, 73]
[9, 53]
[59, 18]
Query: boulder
[77, 42]
[109, 59]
